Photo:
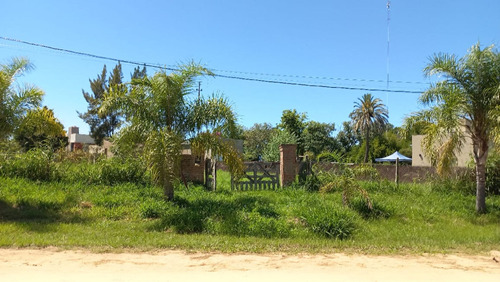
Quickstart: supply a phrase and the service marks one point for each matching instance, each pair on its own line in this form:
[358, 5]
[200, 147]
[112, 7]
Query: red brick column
[288, 163]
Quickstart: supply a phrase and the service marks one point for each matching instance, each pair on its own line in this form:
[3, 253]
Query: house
[77, 141]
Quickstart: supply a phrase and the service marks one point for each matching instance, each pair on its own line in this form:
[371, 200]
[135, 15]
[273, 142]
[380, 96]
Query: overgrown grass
[107, 216]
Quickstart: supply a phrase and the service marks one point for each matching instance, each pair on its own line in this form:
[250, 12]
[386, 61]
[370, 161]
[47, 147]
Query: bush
[252, 223]
[366, 172]
[311, 183]
[152, 208]
[362, 207]
[493, 174]
[36, 164]
[463, 183]
[330, 221]
[120, 170]
[330, 157]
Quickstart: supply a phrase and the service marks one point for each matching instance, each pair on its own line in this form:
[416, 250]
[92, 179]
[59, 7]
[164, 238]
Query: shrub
[152, 208]
[330, 221]
[120, 170]
[493, 174]
[36, 164]
[366, 172]
[362, 207]
[329, 157]
[311, 183]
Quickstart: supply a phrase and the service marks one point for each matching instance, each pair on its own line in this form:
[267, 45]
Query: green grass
[414, 218]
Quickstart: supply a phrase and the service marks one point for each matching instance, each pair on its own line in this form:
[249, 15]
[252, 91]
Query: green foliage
[256, 139]
[294, 123]
[366, 172]
[369, 114]
[36, 164]
[15, 100]
[347, 138]
[311, 183]
[326, 156]
[317, 137]
[330, 221]
[121, 170]
[153, 208]
[238, 216]
[272, 151]
[39, 128]
[391, 140]
[376, 211]
[412, 218]
[103, 124]
[460, 183]
[463, 105]
[41, 164]
[160, 118]
[344, 180]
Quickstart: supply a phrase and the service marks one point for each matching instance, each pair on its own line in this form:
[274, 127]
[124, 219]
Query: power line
[321, 77]
[215, 74]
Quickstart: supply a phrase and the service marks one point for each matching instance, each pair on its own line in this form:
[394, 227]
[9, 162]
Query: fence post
[288, 163]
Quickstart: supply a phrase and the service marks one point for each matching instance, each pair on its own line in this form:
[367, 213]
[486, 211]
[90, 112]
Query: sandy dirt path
[54, 265]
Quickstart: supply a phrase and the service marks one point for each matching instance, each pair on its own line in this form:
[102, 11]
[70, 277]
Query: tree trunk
[367, 147]
[481, 184]
[214, 174]
[168, 190]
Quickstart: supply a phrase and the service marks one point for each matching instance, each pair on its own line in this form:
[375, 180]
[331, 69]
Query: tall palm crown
[15, 101]
[369, 114]
[468, 97]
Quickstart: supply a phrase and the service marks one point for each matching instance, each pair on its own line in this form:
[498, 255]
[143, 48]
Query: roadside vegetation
[49, 197]
[110, 204]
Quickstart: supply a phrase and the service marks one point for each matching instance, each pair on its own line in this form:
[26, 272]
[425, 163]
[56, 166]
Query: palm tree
[159, 118]
[369, 114]
[467, 98]
[15, 101]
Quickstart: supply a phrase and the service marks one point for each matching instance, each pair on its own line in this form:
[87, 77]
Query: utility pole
[199, 89]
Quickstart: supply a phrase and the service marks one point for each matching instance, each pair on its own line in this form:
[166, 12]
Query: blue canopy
[393, 157]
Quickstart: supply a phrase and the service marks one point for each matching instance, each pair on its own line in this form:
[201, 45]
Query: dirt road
[54, 265]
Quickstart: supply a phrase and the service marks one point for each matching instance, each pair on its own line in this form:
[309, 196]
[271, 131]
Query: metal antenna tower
[388, 37]
[388, 45]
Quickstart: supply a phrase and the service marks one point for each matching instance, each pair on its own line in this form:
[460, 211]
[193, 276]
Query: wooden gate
[258, 176]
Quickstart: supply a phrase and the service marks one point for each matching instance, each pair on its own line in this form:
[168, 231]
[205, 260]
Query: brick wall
[191, 169]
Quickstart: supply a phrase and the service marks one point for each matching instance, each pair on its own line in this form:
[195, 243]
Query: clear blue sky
[345, 41]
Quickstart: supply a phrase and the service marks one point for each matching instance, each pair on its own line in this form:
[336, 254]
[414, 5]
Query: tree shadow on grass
[37, 218]
[192, 216]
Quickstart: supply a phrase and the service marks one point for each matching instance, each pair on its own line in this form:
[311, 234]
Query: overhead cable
[215, 74]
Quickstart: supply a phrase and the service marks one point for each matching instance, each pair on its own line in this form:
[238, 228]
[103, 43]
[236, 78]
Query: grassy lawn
[414, 218]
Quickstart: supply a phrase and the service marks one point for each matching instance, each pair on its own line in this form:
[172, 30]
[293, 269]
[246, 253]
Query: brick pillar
[288, 163]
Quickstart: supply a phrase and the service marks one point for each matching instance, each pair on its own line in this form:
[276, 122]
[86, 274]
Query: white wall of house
[464, 156]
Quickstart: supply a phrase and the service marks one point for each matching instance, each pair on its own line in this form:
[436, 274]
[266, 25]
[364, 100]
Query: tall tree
[347, 138]
[138, 73]
[317, 137]
[369, 113]
[465, 104]
[102, 125]
[160, 118]
[15, 101]
[256, 139]
[294, 123]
